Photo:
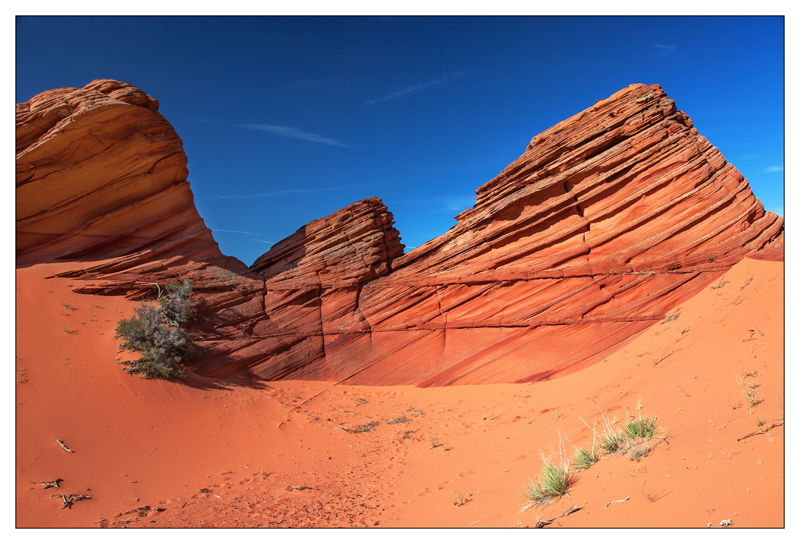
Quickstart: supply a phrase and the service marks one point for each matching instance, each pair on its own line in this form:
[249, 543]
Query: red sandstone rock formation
[607, 221]
[100, 174]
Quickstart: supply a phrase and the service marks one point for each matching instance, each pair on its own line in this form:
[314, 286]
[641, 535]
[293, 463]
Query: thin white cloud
[666, 49]
[237, 232]
[415, 88]
[293, 133]
[457, 203]
[284, 192]
[280, 130]
[774, 169]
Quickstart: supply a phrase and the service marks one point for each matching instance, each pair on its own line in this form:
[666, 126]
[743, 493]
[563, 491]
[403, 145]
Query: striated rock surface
[102, 182]
[101, 174]
[607, 221]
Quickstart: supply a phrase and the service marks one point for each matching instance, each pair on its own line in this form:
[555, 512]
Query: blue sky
[285, 120]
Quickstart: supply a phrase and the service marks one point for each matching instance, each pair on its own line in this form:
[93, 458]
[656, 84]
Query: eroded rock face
[607, 221]
[101, 174]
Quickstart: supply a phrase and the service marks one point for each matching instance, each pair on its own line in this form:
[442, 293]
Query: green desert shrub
[552, 483]
[157, 333]
[611, 441]
[641, 427]
[583, 459]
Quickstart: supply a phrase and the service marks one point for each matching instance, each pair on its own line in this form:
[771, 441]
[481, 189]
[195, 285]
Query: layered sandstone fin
[607, 221]
[102, 175]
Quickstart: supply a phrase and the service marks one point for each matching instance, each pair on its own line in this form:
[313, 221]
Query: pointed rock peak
[357, 243]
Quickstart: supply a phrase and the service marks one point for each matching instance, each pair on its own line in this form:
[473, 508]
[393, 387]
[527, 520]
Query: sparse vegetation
[69, 307]
[751, 395]
[641, 427]
[637, 452]
[652, 497]
[635, 439]
[365, 428]
[157, 333]
[611, 441]
[434, 442]
[553, 482]
[583, 459]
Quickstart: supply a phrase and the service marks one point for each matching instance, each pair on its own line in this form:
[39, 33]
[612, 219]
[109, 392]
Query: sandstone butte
[607, 221]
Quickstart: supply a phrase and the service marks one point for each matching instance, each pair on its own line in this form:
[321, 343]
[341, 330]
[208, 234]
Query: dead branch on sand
[667, 355]
[72, 498]
[60, 443]
[761, 431]
[606, 505]
[543, 522]
[51, 483]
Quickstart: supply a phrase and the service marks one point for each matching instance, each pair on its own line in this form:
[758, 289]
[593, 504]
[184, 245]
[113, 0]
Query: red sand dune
[255, 447]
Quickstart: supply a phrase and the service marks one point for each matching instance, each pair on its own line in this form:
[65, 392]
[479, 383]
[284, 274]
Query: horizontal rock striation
[608, 220]
[311, 288]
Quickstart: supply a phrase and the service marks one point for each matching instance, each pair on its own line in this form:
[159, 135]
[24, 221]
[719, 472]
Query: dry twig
[60, 443]
[51, 483]
[69, 500]
[667, 355]
[543, 522]
[762, 431]
[606, 505]
[684, 392]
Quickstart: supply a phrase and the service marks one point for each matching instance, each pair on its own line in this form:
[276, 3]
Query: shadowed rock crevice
[608, 220]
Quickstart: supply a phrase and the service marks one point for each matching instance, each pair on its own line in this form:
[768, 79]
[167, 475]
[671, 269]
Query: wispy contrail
[775, 169]
[294, 133]
[415, 88]
[283, 192]
[237, 231]
[666, 49]
[280, 130]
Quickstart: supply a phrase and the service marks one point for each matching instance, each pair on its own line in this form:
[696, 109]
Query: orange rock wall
[607, 221]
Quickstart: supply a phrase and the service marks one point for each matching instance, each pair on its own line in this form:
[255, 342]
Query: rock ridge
[607, 221]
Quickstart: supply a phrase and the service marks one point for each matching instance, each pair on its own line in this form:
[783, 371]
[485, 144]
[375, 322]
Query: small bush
[584, 459]
[553, 482]
[751, 394]
[641, 427]
[611, 442]
[157, 333]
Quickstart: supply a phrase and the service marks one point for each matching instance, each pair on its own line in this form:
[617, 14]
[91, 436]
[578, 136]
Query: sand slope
[206, 453]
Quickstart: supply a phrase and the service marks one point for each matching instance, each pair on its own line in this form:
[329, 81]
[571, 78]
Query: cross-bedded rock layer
[607, 221]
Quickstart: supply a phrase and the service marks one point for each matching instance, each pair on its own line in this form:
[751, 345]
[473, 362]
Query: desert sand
[231, 453]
